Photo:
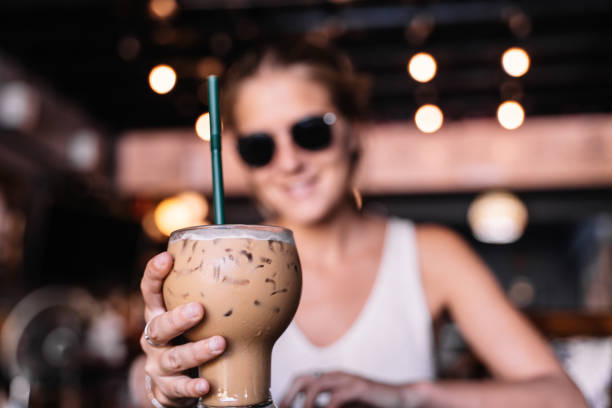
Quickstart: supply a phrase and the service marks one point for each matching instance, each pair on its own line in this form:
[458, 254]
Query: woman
[371, 286]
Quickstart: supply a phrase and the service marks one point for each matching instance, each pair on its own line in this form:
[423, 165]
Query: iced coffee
[249, 280]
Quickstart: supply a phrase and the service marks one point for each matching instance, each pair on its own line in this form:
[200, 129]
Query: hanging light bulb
[181, 211]
[515, 61]
[162, 79]
[510, 115]
[429, 118]
[422, 67]
[202, 127]
[497, 217]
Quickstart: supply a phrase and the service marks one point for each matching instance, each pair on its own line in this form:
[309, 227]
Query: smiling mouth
[301, 189]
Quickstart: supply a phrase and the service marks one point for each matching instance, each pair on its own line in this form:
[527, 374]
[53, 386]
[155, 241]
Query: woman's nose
[288, 158]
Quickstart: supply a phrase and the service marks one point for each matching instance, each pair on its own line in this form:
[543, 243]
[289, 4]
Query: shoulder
[438, 239]
[441, 249]
[446, 262]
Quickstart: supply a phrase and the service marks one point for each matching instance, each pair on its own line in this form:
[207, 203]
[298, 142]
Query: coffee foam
[211, 232]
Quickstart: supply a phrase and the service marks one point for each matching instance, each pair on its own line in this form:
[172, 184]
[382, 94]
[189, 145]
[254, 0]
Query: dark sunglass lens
[256, 149]
[312, 133]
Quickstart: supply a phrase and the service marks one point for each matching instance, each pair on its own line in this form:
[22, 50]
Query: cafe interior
[492, 118]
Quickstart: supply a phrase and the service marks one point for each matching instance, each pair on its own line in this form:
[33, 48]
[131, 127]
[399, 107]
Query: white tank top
[391, 339]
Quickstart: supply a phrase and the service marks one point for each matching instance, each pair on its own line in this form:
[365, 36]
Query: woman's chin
[305, 215]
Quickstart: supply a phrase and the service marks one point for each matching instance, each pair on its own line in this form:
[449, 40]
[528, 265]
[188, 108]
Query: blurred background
[491, 117]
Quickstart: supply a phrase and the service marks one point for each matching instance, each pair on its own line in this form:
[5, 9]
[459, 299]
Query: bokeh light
[422, 67]
[129, 48]
[209, 66]
[515, 62]
[19, 105]
[497, 217]
[429, 118]
[162, 79]
[522, 291]
[202, 127]
[162, 9]
[181, 211]
[195, 203]
[83, 149]
[510, 115]
[150, 228]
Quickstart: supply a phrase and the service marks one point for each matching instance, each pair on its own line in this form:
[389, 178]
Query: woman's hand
[349, 390]
[165, 364]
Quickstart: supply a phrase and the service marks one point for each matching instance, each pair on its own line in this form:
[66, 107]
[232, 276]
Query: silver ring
[149, 387]
[148, 338]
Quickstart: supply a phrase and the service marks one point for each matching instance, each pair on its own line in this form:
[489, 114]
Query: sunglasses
[312, 133]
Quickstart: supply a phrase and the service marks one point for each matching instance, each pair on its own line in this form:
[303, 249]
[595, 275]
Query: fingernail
[201, 387]
[191, 311]
[161, 261]
[215, 344]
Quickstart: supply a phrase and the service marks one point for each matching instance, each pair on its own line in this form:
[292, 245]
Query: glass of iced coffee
[248, 278]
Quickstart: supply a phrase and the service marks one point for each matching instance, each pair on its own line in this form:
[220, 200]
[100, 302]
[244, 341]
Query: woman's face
[301, 186]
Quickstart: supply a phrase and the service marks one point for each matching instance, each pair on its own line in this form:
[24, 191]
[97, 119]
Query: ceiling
[98, 53]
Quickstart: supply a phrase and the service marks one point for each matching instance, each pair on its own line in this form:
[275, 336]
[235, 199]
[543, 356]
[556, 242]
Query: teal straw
[215, 149]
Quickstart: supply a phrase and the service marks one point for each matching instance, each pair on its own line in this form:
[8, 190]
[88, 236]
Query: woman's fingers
[327, 382]
[337, 388]
[168, 325]
[191, 355]
[341, 397]
[298, 385]
[155, 272]
[170, 391]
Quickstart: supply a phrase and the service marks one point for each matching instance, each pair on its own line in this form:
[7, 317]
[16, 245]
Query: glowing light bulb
[497, 217]
[422, 67]
[162, 9]
[162, 79]
[515, 62]
[202, 127]
[196, 203]
[510, 115]
[181, 211]
[429, 118]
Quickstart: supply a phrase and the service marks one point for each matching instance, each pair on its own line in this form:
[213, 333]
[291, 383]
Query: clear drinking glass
[248, 277]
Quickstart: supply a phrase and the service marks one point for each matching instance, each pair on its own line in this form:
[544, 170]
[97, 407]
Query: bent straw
[215, 149]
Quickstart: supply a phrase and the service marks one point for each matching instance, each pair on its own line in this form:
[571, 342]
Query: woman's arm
[525, 370]
[526, 373]
[343, 389]
[159, 375]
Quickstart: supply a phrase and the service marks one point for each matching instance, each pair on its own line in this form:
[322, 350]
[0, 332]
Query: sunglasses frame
[300, 135]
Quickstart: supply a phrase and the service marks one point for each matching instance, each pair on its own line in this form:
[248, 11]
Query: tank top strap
[403, 280]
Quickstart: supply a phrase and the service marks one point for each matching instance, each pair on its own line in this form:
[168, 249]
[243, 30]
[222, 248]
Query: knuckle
[302, 379]
[143, 342]
[172, 360]
[178, 389]
[149, 367]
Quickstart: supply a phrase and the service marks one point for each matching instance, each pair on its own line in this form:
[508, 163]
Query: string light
[429, 118]
[162, 79]
[422, 67]
[510, 115]
[515, 62]
[202, 127]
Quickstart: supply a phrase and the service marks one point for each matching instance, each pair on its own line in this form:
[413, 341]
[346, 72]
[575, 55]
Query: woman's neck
[327, 241]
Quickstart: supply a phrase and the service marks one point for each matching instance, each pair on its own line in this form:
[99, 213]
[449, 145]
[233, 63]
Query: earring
[358, 198]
